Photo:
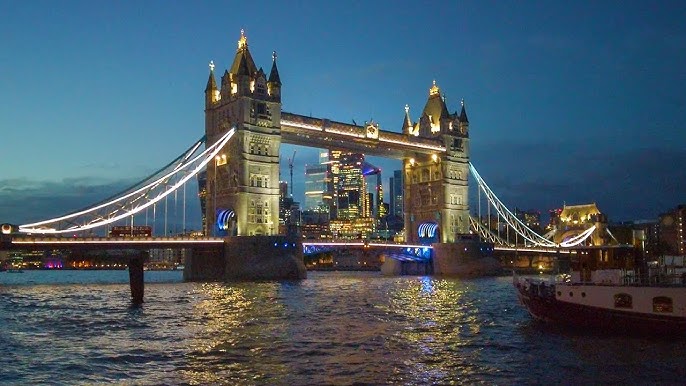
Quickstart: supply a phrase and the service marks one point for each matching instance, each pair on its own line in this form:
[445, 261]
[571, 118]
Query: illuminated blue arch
[226, 220]
[428, 232]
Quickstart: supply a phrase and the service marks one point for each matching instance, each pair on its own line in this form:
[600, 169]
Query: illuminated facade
[672, 228]
[242, 183]
[316, 187]
[352, 187]
[202, 196]
[575, 219]
[396, 193]
[435, 189]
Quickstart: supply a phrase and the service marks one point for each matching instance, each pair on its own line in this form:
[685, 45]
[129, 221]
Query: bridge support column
[136, 279]
[264, 258]
[468, 257]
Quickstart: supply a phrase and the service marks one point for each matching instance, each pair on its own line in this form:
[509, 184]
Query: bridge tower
[436, 186]
[243, 182]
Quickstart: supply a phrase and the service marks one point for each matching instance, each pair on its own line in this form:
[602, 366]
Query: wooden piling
[136, 279]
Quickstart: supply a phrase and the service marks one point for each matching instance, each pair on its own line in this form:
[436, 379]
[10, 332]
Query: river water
[335, 328]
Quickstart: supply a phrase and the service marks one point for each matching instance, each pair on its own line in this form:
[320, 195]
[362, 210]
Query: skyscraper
[316, 185]
[396, 193]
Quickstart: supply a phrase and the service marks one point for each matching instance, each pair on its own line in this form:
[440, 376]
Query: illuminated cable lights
[118, 204]
[507, 215]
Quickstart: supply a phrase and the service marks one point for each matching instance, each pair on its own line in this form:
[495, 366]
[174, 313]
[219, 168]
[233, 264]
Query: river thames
[335, 328]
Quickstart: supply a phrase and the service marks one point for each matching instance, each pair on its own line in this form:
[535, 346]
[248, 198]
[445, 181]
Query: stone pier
[468, 257]
[249, 258]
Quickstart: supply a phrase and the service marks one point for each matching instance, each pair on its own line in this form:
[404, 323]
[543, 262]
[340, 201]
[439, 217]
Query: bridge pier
[467, 256]
[249, 258]
[136, 279]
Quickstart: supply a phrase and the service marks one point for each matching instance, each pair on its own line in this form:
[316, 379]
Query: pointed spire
[211, 83]
[407, 122]
[242, 41]
[463, 113]
[243, 58]
[274, 73]
[434, 90]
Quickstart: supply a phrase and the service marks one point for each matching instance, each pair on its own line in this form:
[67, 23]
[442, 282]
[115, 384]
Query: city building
[671, 232]
[395, 185]
[289, 210]
[202, 196]
[316, 186]
[530, 218]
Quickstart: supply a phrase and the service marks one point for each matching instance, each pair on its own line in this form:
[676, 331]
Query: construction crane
[290, 166]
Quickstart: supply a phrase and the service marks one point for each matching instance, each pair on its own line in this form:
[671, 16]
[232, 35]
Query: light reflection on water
[333, 328]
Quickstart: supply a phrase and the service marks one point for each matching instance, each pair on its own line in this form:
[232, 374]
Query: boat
[605, 291]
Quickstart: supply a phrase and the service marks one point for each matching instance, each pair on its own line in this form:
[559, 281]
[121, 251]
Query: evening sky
[568, 102]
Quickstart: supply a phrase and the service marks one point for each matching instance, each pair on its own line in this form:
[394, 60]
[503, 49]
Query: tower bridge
[244, 129]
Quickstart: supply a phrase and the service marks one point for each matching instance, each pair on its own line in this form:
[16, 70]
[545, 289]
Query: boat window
[662, 304]
[623, 301]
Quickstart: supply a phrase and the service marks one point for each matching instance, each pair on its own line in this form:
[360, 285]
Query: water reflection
[333, 328]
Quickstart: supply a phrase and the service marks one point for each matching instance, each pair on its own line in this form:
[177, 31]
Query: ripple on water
[333, 328]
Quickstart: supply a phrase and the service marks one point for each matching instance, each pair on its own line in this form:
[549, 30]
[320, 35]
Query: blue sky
[568, 101]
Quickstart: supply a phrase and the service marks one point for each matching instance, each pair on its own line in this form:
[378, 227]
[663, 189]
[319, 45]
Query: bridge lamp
[434, 157]
[412, 161]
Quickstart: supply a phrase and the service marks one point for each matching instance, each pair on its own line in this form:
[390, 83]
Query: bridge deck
[317, 132]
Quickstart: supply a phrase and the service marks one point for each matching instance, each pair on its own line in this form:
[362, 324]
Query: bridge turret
[211, 91]
[408, 127]
[274, 83]
[244, 179]
[435, 115]
[463, 122]
[436, 186]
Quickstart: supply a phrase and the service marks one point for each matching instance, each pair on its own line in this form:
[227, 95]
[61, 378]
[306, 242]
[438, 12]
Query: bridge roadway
[145, 243]
[95, 243]
[316, 132]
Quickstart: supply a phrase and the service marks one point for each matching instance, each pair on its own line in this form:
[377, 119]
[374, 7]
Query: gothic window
[251, 212]
[261, 89]
[252, 148]
[459, 175]
[261, 109]
[259, 213]
[259, 181]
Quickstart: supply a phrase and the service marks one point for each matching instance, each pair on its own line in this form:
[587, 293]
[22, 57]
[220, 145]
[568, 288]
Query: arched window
[623, 301]
[662, 304]
[259, 213]
[251, 212]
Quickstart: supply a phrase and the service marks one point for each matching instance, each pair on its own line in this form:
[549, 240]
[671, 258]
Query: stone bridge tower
[243, 181]
[436, 186]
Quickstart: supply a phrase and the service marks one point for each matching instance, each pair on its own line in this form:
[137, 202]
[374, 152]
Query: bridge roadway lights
[136, 279]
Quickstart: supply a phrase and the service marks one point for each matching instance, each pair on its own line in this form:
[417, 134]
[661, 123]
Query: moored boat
[627, 301]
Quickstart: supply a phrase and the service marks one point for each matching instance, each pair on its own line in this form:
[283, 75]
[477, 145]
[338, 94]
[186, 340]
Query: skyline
[116, 92]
